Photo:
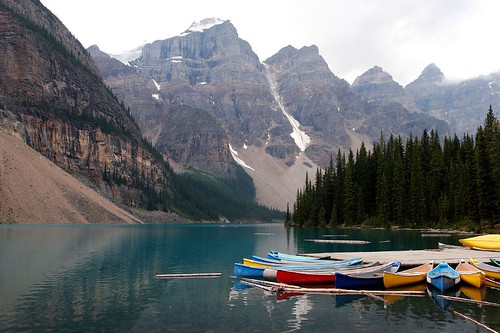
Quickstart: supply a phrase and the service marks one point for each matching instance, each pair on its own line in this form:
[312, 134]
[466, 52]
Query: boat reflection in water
[443, 303]
[476, 294]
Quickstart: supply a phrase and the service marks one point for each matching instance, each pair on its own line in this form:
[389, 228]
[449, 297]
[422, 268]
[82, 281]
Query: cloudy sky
[402, 36]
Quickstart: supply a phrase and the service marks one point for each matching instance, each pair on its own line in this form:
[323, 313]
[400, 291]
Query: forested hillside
[422, 182]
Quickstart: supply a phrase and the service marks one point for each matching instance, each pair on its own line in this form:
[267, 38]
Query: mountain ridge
[461, 104]
[268, 107]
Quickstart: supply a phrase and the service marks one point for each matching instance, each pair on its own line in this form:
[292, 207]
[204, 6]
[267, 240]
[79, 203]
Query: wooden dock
[414, 257]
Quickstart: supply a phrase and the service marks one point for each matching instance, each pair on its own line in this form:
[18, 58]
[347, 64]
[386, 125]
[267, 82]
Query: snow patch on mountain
[238, 160]
[203, 25]
[301, 139]
[126, 56]
[157, 85]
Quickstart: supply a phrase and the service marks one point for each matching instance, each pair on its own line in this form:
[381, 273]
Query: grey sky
[401, 36]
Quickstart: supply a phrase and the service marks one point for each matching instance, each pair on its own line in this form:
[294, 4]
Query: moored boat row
[354, 274]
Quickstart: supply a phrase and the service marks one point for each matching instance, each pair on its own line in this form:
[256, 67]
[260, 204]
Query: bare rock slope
[33, 190]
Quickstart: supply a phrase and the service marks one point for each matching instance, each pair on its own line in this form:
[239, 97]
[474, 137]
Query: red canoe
[317, 276]
[305, 277]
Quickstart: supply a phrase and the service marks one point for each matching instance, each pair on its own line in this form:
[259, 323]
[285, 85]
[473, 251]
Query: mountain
[53, 99]
[461, 104]
[278, 118]
[35, 190]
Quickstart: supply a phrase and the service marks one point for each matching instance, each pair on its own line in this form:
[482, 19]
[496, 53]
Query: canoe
[489, 242]
[490, 270]
[407, 277]
[269, 260]
[448, 246]
[270, 273]
[305, 277]
[470, 274]
[292, 257]
[372, 279]
[305, 265]
[495, 262]
[242, 270]
[294, 262]
[443, 277]
[316, 276]
[311, 264]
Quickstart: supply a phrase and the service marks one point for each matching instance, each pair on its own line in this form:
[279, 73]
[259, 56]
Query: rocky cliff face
[204, 95]
[377, 85]
[52, 97]
[462, 104]
[184, 133]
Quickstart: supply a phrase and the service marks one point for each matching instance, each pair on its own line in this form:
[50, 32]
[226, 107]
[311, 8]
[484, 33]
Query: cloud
[401, 36]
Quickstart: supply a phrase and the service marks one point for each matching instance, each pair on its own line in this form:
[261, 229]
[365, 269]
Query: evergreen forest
[422, 182]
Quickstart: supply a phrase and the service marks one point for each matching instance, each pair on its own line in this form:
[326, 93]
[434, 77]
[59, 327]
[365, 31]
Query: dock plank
[413, 257]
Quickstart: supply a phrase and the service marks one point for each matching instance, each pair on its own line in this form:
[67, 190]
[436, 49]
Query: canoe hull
[392, 280]
[470, 274]
[304, 277]
[490, 271]
[495, 262]
[292, 257]
[242, 270]
[407, 277]
[374, 279]
[474, 279]
[443, 283]
[305, 265]
[489, 242]
[443, 277]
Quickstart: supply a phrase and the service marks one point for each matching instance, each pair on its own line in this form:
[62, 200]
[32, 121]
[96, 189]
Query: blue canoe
[443, 277]
[292, 257]
[319, 263]
[242, 270]
[372, 278]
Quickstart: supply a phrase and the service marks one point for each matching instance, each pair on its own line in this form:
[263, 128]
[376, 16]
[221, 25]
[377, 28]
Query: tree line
[422, 182]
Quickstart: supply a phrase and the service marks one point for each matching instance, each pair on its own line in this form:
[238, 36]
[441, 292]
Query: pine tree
[288, 218]
[350, 194]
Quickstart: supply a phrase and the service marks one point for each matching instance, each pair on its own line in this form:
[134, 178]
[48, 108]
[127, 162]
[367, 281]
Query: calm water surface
[101, 279]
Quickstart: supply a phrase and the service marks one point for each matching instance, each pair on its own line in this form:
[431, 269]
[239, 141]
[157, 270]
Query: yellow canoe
[470, 274]
[251, 262]
[489, 270]
[487, 242]
[407, 277]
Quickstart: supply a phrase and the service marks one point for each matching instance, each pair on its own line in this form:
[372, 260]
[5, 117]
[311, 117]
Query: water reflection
[300, 311]
[101, 278]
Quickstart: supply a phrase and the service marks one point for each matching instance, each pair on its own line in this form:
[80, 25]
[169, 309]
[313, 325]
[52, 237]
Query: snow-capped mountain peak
[203, 25]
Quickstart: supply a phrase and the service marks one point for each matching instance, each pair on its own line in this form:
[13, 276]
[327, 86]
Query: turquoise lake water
[101, 279]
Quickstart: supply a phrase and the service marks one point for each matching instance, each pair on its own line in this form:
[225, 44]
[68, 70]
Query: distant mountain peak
[374, 75]
[377, 85]
[203, 25]
[375, 69]
[432, 72]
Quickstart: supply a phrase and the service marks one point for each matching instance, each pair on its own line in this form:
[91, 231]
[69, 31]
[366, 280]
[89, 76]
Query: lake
[98, 278]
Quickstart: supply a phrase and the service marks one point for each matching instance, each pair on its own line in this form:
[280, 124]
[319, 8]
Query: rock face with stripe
[53, 98]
